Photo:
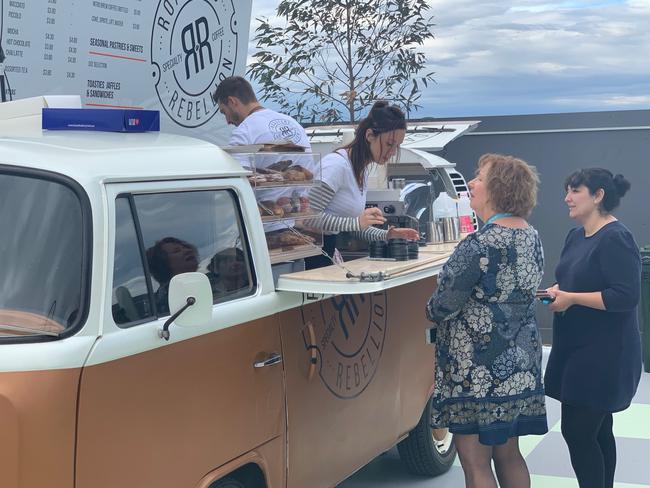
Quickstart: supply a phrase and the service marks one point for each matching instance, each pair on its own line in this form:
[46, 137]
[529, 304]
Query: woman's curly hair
[511, 184]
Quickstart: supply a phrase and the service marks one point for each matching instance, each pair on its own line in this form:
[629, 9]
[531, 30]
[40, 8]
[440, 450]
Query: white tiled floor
[547, 456]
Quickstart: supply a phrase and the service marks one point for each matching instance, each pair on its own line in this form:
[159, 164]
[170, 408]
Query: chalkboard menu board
[165, 55]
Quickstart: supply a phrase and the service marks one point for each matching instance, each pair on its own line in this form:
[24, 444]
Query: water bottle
[465, 214]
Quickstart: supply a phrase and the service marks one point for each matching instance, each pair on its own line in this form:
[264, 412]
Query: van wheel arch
[227, 482]
[248, 476]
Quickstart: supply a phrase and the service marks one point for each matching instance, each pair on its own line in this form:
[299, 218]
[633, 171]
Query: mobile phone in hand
[544, 297]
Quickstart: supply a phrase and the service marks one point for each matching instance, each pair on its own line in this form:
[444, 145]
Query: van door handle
[270, 361]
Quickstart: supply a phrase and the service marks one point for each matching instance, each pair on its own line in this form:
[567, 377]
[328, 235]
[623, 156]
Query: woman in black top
[595, 363]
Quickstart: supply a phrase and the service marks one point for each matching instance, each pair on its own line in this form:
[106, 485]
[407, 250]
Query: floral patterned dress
[488, 355]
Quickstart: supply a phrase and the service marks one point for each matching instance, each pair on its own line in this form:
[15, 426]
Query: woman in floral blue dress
[488, 374]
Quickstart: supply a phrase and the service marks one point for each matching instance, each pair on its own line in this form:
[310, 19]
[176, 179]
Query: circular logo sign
[350, 335]
[193, 48]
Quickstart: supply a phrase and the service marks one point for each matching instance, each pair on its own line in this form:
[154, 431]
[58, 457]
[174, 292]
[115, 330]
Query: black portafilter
[378, 249]
[413, 249]
[398, 249]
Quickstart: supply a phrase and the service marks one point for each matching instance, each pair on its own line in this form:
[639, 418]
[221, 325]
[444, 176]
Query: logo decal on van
[350, 339]
[193, 48]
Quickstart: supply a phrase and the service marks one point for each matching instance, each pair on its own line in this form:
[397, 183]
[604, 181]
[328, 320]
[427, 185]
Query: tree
[333, 58]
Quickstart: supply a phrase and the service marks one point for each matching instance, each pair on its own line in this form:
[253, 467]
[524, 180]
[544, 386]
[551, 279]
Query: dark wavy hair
[157, 258]
[382, 118]
[614, 187]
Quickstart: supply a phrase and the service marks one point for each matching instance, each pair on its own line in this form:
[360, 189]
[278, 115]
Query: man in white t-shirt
[254, 123]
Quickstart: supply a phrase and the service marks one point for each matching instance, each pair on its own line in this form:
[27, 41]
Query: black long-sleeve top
[595, 361]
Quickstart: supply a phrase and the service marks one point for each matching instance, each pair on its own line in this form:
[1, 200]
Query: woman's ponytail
[621, 184]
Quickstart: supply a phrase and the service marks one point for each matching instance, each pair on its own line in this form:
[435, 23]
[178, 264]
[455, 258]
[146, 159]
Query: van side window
[131, 299]
[44, 254]
[185, 232]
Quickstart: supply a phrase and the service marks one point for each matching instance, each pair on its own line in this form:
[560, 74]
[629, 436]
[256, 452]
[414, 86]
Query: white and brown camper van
[144, 341]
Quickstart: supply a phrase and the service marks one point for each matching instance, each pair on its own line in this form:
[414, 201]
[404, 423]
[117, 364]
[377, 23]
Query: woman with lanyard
[341, 198]
[488, 375]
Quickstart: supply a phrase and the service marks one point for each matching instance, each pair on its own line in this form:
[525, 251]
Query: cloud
[618, 101]
[530, 56]
[533, 56]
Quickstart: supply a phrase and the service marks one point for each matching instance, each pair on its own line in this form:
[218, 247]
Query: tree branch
[306, 64]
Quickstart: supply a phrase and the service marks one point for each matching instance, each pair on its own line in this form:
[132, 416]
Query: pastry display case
[282, 183]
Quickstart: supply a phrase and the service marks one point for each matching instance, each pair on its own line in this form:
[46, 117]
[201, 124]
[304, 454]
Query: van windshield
[42, 249]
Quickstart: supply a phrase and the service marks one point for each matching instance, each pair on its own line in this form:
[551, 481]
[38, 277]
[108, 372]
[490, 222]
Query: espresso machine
[408, 202]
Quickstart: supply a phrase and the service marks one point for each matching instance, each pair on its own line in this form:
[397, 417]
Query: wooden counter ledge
[332, 279]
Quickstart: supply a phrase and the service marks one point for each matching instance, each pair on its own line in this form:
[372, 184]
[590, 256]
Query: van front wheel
[427, 451]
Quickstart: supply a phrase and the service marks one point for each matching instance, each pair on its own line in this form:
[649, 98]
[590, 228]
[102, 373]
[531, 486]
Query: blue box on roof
[109, 120]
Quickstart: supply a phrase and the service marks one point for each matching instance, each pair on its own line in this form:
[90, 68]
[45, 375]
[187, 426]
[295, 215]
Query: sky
[507, 57]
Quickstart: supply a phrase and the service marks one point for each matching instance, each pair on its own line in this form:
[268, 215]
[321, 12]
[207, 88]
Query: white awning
[427, 136]
[426, 159]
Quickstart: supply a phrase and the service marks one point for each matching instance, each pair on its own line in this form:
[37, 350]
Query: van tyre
[227, 483]
[422, 453]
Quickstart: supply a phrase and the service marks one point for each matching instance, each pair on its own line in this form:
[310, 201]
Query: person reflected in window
[227, 271]
[167, 258]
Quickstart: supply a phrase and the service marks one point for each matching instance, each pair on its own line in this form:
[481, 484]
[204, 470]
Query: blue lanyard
[497, 216]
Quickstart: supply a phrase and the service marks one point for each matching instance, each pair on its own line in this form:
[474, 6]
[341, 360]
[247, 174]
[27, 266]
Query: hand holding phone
[545, 297]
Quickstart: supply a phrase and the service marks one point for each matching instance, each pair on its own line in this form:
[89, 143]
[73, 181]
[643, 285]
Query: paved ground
[547, 456]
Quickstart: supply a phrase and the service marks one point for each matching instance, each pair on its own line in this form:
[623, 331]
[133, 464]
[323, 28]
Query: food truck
[152, 334]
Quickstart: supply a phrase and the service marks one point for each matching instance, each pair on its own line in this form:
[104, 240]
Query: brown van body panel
[416, 356]
[169, 416]
[369, 384]
[189, 413]
[37, 428]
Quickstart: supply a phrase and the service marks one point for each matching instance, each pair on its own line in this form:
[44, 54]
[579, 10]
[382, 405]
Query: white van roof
[113, 157]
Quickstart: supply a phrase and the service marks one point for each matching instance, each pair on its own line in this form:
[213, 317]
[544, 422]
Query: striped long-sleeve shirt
[320, 196]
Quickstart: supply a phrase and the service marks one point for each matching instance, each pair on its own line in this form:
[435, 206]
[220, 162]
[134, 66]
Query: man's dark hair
[234, 86]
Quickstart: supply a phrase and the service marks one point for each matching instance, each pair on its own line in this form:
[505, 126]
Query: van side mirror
[190, 302]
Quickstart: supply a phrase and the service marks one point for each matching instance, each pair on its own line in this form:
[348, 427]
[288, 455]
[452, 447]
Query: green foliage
[331, 59]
